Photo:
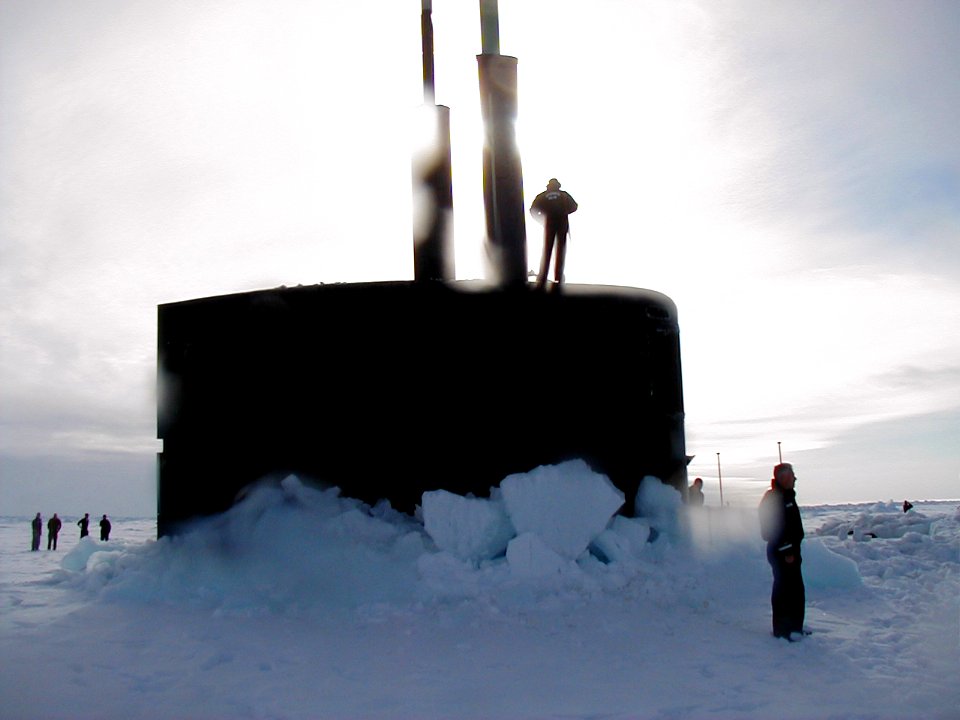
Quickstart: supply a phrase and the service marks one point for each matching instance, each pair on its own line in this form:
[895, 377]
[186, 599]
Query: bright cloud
[788, 174]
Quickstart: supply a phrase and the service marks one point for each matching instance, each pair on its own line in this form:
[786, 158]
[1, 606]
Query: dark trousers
[51, 542]
[788, 597]
[553, 234]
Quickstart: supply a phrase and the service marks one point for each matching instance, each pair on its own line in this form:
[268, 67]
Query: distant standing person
[37, 529]
[104, 528]
[53, 530]
[84, 524]
[552, 207]
[782, 528]
[695, 493]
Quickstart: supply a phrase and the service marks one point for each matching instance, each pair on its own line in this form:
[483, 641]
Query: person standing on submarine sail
[552, 207]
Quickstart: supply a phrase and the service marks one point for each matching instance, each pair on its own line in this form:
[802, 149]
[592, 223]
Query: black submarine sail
[391, 389]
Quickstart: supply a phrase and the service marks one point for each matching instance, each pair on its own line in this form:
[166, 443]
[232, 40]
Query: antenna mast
[506, 243]
[432, 174]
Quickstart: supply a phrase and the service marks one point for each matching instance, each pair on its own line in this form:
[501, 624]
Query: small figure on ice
[552, 207]
[84, 524]
[104, 528]
[53, 530]
[695, 493]
[37, 529]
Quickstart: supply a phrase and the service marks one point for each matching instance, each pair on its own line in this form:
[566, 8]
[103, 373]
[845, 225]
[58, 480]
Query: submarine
[387, 390]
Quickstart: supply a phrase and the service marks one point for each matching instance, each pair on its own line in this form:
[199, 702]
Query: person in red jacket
[782, 528]
[552, 207]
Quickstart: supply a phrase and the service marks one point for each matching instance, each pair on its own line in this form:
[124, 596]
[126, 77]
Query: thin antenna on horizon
[720, 478]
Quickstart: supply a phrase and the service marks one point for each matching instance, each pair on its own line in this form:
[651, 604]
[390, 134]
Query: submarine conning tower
[350, 385]
[388, 390]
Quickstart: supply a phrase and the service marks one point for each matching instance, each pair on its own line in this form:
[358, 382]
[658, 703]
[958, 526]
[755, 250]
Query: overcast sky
[788, 173]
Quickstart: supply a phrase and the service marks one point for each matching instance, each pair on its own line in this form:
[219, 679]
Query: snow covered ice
[299, 603]
[564, 506]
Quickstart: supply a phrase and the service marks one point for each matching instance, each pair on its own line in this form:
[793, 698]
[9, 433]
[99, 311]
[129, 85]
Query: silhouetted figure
[552, 207]
[907, 505]
[782, 528]
[84, 524]
[37, 528]
[53, 530]
[104, 528]
[695, 493]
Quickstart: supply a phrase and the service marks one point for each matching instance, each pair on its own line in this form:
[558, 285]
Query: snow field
[299, 603]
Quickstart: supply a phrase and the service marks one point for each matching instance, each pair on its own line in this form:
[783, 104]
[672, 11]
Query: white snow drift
[537, 603]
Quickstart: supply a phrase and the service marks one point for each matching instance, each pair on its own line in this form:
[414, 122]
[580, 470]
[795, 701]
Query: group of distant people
[54, 524]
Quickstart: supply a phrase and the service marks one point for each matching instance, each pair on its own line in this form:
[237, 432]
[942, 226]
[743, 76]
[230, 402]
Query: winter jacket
[780, 523]
[552, 207]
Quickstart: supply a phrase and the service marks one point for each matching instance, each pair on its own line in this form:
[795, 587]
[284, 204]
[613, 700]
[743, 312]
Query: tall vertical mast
[426, 41]
[490, 27]
[432, 174]
[506, 236]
